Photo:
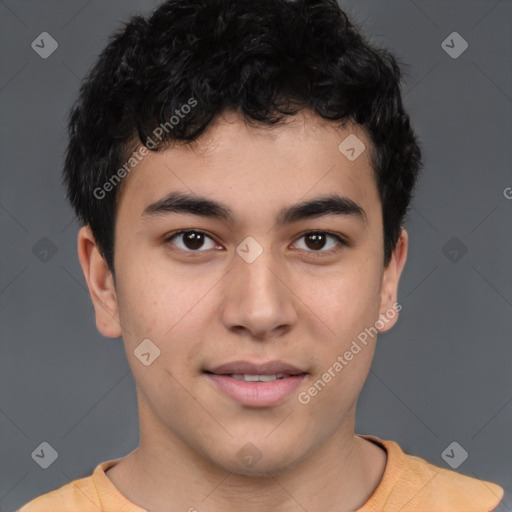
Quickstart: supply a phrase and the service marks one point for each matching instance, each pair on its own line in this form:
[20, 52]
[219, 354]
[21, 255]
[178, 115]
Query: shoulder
[80, 495]
[450, 490]
[413, 484]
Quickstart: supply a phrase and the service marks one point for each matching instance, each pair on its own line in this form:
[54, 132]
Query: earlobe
[100, 283]
[389, 306]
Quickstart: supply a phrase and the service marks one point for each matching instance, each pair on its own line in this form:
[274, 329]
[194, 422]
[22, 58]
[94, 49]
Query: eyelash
[338, 238]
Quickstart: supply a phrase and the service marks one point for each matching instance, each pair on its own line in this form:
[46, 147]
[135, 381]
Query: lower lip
[257, 394]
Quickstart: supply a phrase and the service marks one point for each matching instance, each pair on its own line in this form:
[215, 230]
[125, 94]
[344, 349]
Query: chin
[249, 461]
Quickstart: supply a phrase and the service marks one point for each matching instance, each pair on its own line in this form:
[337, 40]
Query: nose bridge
[257, 297]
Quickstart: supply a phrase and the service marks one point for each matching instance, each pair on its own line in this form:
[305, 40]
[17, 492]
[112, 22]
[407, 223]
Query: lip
[256, 394]
[249, 368]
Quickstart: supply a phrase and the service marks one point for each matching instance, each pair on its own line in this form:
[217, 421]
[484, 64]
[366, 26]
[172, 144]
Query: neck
[340, 475]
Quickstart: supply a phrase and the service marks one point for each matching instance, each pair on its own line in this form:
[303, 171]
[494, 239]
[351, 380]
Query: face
[250, 285]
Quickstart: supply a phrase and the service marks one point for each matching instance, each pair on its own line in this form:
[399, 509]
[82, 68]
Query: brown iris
[315, 240]
[193, 239]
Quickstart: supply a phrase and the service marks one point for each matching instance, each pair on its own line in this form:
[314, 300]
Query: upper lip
[249, 368]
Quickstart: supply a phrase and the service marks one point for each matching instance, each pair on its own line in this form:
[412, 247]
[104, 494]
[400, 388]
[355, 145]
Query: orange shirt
[409, 484]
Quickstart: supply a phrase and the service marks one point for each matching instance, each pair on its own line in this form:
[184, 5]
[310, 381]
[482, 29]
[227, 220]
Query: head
[243, 107]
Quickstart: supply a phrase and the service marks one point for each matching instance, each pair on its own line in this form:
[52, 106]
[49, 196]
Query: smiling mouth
[257, 377]
[256, 390]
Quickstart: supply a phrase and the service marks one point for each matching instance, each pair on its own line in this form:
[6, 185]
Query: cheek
[167, 309]
[139, 301]
[146, 298]
[347, 301]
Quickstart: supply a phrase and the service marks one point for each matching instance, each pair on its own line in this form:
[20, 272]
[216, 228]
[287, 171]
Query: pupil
[193, 240]
[316, 238]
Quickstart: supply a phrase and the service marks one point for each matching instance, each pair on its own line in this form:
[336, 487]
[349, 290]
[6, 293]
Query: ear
[100, 283]
[389, 307]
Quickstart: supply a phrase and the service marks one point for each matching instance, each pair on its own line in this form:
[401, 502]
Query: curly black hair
[266, 59]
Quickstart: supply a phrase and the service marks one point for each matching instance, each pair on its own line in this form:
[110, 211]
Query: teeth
[257, 378]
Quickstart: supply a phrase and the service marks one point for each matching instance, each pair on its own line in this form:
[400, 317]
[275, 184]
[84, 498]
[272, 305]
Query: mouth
[258, 378]
[256, 385]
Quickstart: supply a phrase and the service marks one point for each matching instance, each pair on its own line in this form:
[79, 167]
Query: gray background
[442, 374]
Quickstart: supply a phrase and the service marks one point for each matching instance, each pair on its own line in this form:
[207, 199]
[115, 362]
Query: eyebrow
[179, 202]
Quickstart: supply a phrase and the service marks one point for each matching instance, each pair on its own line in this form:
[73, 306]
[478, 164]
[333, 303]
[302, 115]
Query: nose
[259, 301]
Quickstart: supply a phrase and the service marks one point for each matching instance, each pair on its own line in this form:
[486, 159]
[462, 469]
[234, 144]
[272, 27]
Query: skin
[213, 307]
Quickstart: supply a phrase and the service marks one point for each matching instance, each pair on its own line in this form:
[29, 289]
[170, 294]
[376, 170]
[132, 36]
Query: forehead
[258, 166]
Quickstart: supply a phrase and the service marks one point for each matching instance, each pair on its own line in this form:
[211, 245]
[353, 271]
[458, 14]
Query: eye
[316, 240]
[192, 240]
